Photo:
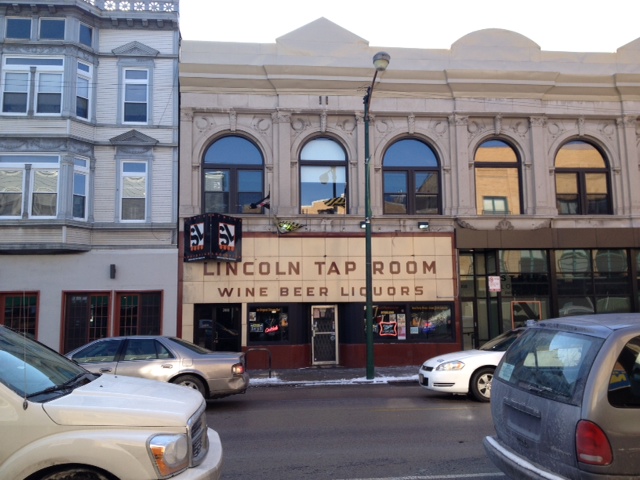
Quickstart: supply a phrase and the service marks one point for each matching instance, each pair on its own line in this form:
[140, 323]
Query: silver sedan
[167, 359]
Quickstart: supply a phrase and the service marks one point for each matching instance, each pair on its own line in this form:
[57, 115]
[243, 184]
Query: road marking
[415, 409]
[436, 477]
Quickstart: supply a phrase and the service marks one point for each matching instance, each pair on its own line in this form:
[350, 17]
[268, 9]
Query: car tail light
[237, 369]
[592, 444]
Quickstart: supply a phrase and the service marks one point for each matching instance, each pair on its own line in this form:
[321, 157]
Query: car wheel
[191, 381]
[481, 384]
[78, 473]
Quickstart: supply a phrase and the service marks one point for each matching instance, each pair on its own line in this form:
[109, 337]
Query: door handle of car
[167, 365]
[105, 370]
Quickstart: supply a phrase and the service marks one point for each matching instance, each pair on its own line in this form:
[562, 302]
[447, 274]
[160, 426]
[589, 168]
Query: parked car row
[565, 403]
[62, 422]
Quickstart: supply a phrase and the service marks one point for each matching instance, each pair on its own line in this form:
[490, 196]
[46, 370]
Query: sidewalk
[333, 375]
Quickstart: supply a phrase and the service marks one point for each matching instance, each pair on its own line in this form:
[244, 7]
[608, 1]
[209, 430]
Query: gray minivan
[565, 400]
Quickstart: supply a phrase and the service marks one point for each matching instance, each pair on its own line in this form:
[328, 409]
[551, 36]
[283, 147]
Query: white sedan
[468, 370]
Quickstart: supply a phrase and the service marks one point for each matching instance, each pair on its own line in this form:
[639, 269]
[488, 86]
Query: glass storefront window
[268, 324]
[593, 281]
[413, 322]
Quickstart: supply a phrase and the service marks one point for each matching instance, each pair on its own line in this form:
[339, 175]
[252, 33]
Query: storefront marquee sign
[212, 236]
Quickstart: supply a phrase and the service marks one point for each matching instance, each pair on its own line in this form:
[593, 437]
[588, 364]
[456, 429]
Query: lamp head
[381, 61]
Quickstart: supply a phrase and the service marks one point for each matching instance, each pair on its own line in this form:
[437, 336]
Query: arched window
[323, 178]
[582, 180]
[411, 179]
[497, 179]
[233, 177]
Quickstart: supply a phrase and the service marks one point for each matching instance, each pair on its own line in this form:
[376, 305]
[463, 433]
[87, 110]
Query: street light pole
[380, 61]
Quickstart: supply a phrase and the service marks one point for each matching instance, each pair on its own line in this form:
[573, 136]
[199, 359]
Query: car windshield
[550, 363]
[31, 369]
[502, 341]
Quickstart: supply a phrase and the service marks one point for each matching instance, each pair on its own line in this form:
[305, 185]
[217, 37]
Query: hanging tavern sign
[212, 236]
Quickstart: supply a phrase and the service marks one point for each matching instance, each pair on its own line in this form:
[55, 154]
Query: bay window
[52, 28]
[80, 181]
[83, 89]
[46, 76]
[18, 28]
[42, 174]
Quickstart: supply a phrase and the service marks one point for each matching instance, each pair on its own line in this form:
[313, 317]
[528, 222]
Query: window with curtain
[411, 179]
[323, 178]
[497, 172]
[38, 174]
[582, 180]
[133, 191]
[233, 180]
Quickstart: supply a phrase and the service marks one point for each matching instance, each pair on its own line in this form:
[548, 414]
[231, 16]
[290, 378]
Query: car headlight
[448, 366]
[170, 453]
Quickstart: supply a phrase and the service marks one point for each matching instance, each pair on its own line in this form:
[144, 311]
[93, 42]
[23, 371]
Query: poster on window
[494, 284]
[402, 326]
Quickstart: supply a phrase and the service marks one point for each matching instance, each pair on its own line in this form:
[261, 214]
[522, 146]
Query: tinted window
[145, 349]
[52, 29]
[19, 28]
[411, 179]
[233, 177]
[86, 34]
[550, 363]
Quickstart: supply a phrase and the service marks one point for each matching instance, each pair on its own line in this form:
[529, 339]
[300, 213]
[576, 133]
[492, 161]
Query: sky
[555, 25]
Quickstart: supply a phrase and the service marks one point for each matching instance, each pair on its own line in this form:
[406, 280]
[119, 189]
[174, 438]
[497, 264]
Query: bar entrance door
[324, 334]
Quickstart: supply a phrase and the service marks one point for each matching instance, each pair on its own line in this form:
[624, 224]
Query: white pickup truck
[60, 422]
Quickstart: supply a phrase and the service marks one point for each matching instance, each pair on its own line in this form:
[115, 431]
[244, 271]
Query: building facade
[503, 188]
[88, 168]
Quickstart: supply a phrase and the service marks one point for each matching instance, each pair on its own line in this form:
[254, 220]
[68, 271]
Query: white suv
[61, 422]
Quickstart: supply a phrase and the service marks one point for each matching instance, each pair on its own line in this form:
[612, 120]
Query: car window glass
[99, 352]
[624, 385]
[162, 351]
[141, 349]
[550, 363]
